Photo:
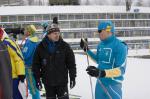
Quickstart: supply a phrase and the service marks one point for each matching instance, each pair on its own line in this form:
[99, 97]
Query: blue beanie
[44, 24]
[106, 25]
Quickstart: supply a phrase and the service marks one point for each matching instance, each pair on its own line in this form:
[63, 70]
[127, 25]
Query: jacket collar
[109, 39]
[45, 44]
[33, 39]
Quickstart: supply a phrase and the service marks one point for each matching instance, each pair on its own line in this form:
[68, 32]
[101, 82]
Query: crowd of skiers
[49, 61]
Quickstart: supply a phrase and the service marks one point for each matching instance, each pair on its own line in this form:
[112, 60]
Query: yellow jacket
[17, 62]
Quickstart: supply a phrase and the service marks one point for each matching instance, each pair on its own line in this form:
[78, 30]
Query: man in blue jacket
[111, 58]
[28, 52]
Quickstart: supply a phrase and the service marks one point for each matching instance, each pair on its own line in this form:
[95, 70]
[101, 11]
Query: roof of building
[25, 10]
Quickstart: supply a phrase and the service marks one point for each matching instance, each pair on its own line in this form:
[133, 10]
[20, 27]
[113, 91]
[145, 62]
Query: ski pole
[101, 84]
[89, 76]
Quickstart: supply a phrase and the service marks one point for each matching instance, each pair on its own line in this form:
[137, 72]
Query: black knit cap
[53, 27]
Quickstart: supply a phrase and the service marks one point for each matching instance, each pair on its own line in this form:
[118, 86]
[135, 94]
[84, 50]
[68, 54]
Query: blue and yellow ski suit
[111, 57]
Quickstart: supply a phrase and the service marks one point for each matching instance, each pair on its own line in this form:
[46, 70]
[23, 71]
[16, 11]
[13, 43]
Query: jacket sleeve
[70, 62]
[19, 64]
[36, 65]
[28, 50]
[93, 56]
[119, 62]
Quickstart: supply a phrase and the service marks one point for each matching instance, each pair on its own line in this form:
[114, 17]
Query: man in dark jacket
[53, 59]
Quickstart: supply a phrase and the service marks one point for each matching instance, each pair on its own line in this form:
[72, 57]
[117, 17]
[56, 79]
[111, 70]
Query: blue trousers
[16, 93]
[32, 84]
[115, 91]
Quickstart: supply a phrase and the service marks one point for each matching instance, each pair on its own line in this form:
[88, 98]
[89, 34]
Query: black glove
[39, 84]
[21, 78]
[95, 72]
[84, 44]
[72, 83]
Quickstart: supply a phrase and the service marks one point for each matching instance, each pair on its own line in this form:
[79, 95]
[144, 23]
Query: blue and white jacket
[111, 56]
[29, 49]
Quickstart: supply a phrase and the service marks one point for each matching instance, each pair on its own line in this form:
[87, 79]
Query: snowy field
[135, 85]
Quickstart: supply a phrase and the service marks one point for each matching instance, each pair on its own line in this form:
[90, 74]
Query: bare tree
[128, 5]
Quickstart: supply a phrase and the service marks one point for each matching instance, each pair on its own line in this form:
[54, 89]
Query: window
[119, 33]
[74, 24]
[79, 16]
[148, 23]
[102, 16]
[117, 16]
[83, 24]
[62, 17]
[118, 23]
[127, 33]
[149, 16]
[137, 15]
[110, 16]
[142, 23]
[38, 17]
[71, 16]
[124, 16]
[144, 15]
[29, 18]
[46, 17]
[21, 18]
[131, 16]
[141, 16]
[125, 23]
[92, 24]
[94, 16]
[64, 24]
[4, 18]
[12, 18]
[68, 35]
[132, 23]
[86, 16]
[137, 23]
[77, 35]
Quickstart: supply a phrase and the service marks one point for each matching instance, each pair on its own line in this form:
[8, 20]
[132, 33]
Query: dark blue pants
[16, 93]
[115, 91]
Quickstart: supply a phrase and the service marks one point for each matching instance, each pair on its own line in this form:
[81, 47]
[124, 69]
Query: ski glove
[72, 83]
[21, 78]
[84, 44]
[95, 72]
[39, 85]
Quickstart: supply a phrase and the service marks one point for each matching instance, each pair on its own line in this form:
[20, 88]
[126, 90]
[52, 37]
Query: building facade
[82, 21]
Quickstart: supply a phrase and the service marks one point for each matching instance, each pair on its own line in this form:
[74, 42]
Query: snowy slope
[135, 85]
[137, 81]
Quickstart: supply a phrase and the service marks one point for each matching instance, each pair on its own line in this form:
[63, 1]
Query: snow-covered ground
[135, 85]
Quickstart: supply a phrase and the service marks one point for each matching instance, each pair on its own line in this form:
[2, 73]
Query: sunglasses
[99, 31]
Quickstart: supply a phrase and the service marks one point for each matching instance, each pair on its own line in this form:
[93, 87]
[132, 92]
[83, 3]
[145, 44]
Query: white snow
[137, 80]
[135, 85]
